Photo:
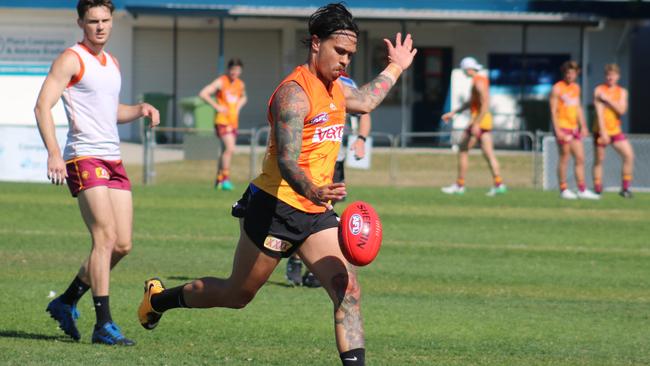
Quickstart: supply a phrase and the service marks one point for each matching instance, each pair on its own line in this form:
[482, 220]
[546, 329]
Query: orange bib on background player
[611, 118]
[229, 95]
[568, 102]
[321, 139]
[475, 102]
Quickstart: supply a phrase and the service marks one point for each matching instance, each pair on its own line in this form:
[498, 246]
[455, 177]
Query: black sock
[354, 357]
[75, 291]
[102, 310]
[171, 298]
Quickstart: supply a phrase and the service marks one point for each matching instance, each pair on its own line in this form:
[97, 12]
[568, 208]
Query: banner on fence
[23, 157]
[351, 161]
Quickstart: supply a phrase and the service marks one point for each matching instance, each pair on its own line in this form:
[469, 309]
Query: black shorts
[276, 228]
[339, 172]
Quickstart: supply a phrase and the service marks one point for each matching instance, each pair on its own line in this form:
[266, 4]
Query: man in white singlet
[88, 81]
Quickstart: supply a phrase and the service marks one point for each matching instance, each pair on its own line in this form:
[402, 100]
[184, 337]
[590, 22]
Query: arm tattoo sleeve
[373, 93]
[289, 108]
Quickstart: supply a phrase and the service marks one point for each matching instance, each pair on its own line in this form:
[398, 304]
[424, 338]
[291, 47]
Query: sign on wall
[23, 157]
[26, 54]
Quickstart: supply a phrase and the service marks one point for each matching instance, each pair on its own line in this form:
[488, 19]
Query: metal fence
[611, 167]
[257, 138]
[530, 139]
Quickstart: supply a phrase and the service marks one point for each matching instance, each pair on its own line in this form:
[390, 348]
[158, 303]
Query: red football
[360, 233]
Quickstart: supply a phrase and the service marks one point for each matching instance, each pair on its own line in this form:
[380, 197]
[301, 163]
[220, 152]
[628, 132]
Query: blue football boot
[66, 315]
[110, 334]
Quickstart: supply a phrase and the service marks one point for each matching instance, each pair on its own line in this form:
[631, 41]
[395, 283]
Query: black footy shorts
[339, 172]
[276, 228]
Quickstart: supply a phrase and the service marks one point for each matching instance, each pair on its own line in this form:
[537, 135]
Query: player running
[569, 126]
[610, 100]
[87, 79]
[229, 97]
[288, 208]
[479, 130]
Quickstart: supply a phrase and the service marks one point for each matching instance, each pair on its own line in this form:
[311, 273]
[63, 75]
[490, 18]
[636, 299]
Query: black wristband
[362, 138]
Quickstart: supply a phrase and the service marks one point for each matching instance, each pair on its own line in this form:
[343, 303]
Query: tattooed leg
[348, 323]
[322, 254]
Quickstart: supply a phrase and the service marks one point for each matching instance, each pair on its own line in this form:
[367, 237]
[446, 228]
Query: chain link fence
[427, 158]
[611, 168]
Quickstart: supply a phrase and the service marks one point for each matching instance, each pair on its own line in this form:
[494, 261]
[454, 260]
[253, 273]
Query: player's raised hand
[403, 52]
[56, 171]
[147, 110]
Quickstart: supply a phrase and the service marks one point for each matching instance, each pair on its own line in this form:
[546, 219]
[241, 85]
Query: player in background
[479, 130]
[359, 124]
[569, 126]
[229, 97]
[288, 207]
[610, 100]
[87, 79]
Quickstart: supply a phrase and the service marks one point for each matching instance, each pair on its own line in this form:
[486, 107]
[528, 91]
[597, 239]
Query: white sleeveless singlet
[91, 100]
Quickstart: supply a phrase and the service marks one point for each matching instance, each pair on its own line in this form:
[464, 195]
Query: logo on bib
[329, 133]
[569, 100]
[320, 118]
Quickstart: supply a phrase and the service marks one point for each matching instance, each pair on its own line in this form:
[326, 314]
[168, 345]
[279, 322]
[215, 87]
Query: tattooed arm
[369, 96]
[289, 108]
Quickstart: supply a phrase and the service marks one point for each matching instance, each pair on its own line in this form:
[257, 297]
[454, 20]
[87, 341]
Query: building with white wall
[174, 47]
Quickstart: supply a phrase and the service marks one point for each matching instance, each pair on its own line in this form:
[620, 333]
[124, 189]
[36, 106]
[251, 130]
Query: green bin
[160, 101]
[198, 114]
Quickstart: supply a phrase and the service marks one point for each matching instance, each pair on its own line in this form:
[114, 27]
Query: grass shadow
[273, 283]
[180, 278]
[34, 336]
[279, 283]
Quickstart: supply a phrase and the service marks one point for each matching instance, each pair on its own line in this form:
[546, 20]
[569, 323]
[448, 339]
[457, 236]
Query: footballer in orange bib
[229, 97]
[569, 126]
[611, 117]
[568, 102]
[610, 100]
[321, 139]
[479, 130]
[485, 124]
[288, 209]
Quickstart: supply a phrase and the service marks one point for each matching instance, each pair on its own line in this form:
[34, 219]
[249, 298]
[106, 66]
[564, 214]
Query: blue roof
[607, 9]
[494, 5]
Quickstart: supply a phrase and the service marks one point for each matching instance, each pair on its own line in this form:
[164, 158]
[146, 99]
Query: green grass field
[523, 279]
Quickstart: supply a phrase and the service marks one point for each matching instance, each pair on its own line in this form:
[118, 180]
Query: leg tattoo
[347, 313]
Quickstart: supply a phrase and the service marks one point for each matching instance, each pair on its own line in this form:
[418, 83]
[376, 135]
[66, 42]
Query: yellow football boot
[148, 317]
